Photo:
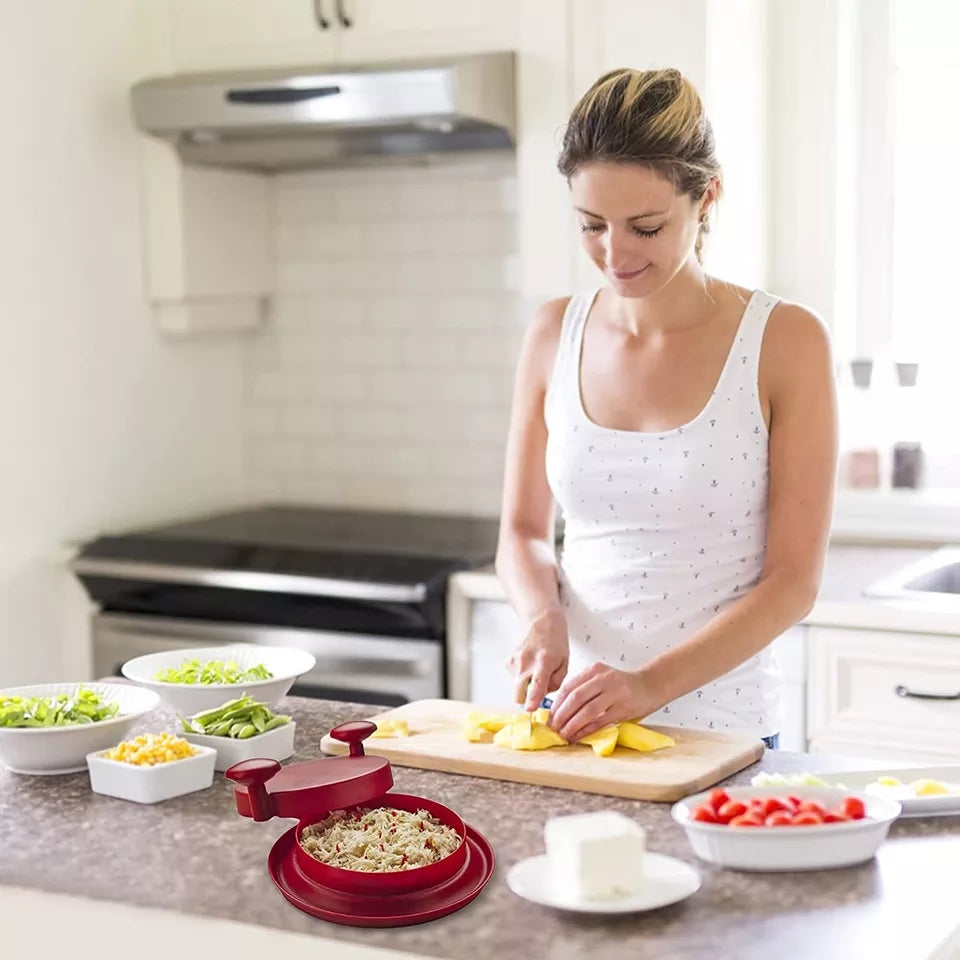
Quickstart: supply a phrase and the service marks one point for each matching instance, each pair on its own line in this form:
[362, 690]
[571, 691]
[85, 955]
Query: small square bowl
[276, 744]
[115, 778]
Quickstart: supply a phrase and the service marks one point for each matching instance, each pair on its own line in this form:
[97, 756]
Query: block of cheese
[596, 856]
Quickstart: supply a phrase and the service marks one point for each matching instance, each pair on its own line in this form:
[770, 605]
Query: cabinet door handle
[901, 691]
[319, 16]
[345, 21]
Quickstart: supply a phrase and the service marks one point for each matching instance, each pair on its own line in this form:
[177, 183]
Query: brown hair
[651, 117]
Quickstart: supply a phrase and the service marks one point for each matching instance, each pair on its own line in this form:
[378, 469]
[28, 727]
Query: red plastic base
[386, 910]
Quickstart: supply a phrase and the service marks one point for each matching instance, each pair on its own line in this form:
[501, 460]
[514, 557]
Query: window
[908, 234]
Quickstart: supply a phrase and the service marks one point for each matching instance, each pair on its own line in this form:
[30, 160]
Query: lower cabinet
[885, 695]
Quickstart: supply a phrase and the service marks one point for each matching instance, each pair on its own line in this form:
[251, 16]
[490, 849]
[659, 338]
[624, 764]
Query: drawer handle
[901, 691]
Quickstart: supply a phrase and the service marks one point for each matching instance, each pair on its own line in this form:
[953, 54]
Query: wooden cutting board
[699, 759]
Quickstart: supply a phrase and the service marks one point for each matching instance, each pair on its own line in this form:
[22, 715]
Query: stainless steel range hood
[288, 119]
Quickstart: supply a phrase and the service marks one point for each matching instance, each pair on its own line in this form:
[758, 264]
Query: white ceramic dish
[793, 847]
[114, 778]
[276, 744]
[666, 880]
[938, 805]
[52, 750]
[285, 663]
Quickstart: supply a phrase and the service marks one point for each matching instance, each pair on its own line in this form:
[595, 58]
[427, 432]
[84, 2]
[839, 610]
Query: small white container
[128, 781]
[285, 663]
[276, 744]
[813, 847]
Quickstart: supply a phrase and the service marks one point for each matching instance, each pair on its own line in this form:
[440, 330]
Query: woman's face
[634, 225]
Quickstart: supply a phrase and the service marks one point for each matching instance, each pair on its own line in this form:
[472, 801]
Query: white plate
[666, 881]
[939, 805]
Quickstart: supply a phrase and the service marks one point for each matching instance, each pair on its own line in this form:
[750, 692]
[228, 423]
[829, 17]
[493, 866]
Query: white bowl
[49, 750]
[276, 744]
[285, 663]
[813, 847]
[115, 778]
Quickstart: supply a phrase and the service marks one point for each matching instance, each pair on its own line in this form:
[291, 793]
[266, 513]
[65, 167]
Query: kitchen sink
[936, 577]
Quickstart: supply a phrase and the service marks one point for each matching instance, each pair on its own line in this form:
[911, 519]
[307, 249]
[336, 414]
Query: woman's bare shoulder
[542, 338]
[796, 346]
[792, 326]
[547, 321]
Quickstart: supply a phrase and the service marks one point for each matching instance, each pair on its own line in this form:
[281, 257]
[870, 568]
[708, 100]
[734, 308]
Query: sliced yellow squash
[603, 741]
[635, 737]
[475, 733]
[523, 734]
[490, 721]
[392, 728]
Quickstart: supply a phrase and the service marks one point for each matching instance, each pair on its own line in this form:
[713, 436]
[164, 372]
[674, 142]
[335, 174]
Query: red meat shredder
[308, 792]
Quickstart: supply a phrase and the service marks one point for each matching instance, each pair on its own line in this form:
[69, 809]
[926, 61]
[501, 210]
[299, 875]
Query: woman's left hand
[598, 696]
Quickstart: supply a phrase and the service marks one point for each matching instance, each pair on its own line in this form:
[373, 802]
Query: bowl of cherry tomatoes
[769, 828]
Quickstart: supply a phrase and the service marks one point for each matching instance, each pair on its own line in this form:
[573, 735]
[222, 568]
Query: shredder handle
[253, 774]
[354, 732]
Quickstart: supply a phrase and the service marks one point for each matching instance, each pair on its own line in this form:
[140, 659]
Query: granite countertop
[194, 854]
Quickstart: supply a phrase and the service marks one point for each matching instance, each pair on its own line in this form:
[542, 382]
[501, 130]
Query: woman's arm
[526, 559]
[797, 372]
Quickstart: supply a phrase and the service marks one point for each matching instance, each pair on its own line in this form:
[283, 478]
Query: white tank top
[664, 529]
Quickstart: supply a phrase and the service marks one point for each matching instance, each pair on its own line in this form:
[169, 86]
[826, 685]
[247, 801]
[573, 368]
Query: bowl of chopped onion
[201, 678]
[395, 844]
[50, 728]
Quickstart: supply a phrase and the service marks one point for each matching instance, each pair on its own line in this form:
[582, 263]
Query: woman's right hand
[540, 663]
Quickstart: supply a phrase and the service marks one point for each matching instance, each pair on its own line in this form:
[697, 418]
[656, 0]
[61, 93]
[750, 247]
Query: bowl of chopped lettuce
[50, 728]
[193, 679]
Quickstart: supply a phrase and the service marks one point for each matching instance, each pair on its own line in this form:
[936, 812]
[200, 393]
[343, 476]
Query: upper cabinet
[388, 29]
[215, 34]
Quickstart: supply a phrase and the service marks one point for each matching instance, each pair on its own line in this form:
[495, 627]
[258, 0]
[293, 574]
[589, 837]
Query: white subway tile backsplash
[322, 239]
[307, 420]
[383, 379]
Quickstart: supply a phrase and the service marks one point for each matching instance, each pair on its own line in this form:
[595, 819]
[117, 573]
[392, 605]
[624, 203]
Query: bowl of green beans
[193, 679]
[50, 728]
[240, 729]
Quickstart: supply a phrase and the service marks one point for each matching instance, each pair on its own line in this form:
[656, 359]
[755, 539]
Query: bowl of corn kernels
[151, 767]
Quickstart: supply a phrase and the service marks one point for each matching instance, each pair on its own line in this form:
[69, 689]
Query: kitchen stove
[364, 591]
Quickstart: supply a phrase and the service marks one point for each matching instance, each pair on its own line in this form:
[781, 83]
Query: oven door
[350, 666]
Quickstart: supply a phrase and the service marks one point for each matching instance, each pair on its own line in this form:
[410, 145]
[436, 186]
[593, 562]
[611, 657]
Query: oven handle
[333, 666]
[252, 580]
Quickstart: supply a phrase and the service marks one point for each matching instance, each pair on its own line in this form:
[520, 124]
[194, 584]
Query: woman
[686, 428]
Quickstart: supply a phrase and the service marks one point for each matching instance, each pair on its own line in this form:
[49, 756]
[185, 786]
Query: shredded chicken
[379, 840]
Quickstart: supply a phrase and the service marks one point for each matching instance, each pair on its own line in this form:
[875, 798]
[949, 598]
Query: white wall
[103, 423]
[384, 376]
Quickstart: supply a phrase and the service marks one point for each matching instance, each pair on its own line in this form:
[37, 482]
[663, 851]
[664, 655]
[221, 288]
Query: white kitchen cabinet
[495, 632]
[388, 29]
[790, 649]
[213, 34]
[249, 33]
[882, 694]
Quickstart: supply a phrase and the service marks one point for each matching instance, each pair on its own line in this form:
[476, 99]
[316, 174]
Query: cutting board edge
[551, 780]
